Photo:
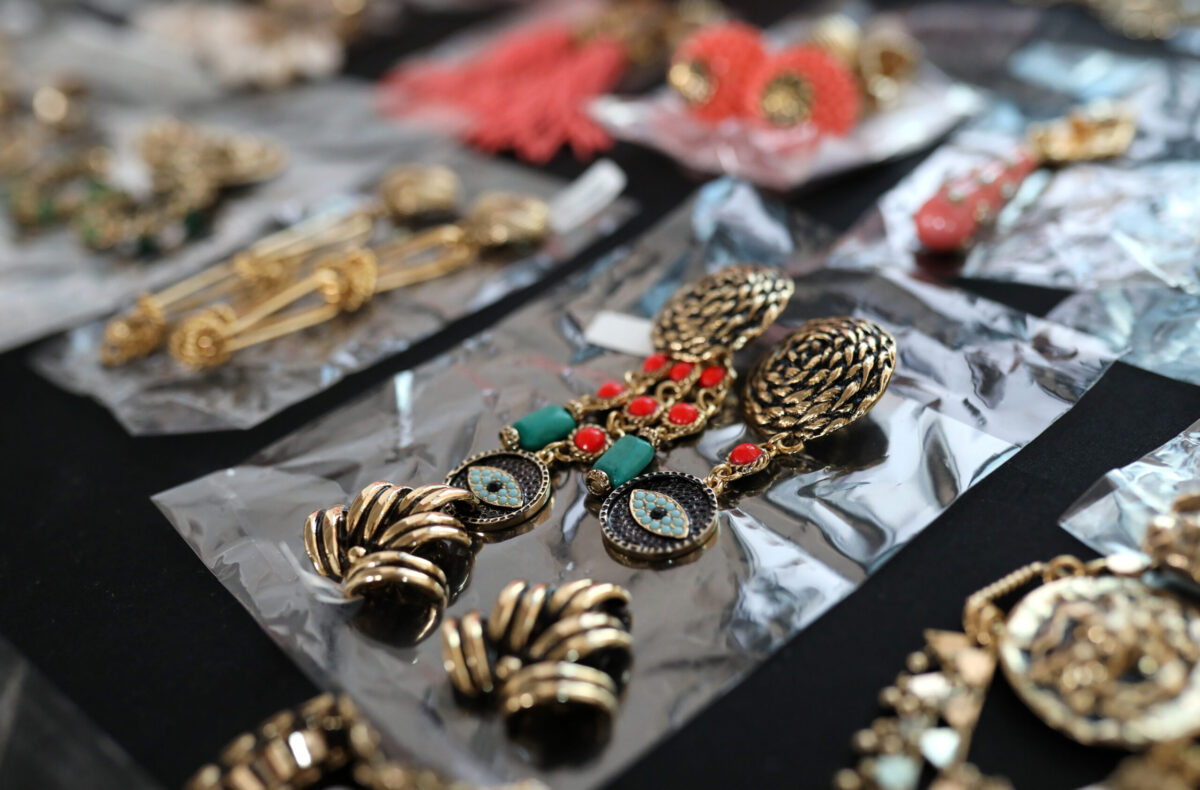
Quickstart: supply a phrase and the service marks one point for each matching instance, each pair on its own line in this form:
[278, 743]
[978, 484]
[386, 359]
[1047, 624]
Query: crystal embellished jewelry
[346, 280]
[407, 194]
[323, 742]
[1103, 651]
[553, 660]
[950, 220]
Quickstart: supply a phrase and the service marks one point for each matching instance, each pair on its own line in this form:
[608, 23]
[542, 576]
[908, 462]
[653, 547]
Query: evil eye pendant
[510, 487]
[658, 517]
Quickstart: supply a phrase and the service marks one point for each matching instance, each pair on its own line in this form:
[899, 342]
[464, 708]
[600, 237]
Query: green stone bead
[195, 223]
[539, 428]
[625, 460]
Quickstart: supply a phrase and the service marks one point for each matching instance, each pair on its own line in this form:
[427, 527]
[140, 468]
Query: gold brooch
[1096, 649]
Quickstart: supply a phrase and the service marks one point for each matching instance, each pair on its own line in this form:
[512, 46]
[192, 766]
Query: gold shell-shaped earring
[553, 660]
[403, 550]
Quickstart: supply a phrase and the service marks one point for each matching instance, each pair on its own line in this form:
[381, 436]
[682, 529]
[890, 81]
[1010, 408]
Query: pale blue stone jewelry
[659, 513]
[495, 486]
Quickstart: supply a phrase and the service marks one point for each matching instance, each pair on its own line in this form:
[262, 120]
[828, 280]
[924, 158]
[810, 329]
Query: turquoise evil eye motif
[659, 513]
[495, 486]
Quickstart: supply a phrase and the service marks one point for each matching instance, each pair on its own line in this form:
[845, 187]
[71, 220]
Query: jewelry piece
[267, 46]
[824, 376]
[407, 194]
[950, 220]
[553, 660]
[1099, 650]
[55, 117]
[725, 71]
[803, 84]
[674, 395]
[189, 169]
[345, 281]
[561, 67]
[711, 66]
[323, 740]
[403, 550]
[54, 190]
[499, 493]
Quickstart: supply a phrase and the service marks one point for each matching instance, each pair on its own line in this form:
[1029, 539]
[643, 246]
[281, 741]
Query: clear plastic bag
[1112, 516]
[334, 142]
[975, 381]
[47, 743]
[157, 395]
[1153, 327]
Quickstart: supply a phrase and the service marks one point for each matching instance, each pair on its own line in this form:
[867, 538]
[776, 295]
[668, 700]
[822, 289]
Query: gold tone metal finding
[553, 660]
[310, 745]
[263, 267]
[1102, 130]
[345, 281]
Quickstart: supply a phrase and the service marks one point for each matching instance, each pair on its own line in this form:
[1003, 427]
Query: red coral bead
[745, 454]
[683, 414]
[610, 389]
[680, 371]
[711, 377]
[654, 363]
[590, 439]
[643, 406]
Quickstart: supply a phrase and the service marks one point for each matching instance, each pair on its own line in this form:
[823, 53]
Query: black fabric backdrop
[106, 599]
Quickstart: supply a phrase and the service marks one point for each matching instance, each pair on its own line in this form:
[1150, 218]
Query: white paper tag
[620, 332]
[587, 196]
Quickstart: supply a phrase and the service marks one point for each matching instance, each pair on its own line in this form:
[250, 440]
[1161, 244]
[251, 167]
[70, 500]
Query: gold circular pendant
[824, 376]
[725, 310]
[509, 486]
[658, 517]
[1108, 660]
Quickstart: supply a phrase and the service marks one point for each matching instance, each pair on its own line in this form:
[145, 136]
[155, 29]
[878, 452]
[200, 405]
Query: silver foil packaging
[975, 382]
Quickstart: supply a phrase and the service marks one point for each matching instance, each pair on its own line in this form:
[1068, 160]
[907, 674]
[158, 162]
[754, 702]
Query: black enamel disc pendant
[659, 516]
[510, 487]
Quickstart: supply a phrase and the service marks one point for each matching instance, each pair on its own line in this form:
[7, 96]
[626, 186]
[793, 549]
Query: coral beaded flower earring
[803, 85]
[710, 68]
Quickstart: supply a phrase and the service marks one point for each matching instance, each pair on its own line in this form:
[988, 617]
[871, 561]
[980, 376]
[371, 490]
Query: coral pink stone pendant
[950, 219]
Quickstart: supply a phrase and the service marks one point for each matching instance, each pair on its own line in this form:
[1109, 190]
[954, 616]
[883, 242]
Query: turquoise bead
[625, 460]
[539, 428]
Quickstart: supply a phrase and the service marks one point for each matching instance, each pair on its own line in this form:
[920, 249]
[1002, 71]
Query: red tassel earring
[803, 85]
[710, 68]
[528, 92]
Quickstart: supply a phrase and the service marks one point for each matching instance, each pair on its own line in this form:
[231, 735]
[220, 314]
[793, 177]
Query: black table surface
[107, 600]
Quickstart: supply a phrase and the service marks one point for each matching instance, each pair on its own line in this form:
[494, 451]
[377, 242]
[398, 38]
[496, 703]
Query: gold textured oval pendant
[725, 310]
[1108, 660]
[827, 374]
